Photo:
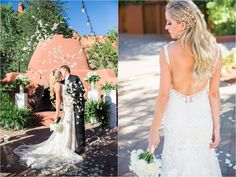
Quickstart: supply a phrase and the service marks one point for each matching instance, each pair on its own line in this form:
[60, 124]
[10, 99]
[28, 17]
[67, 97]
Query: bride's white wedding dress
[188, 128]
[59, 148]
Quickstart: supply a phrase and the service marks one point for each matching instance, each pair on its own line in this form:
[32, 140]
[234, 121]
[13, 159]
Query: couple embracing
[65, 146]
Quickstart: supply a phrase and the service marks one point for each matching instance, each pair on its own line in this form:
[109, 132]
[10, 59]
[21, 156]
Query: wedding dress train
[58, 149]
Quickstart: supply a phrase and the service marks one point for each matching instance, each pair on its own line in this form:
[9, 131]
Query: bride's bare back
[181, 63]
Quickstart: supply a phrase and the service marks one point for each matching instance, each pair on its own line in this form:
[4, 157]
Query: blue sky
[103, 15]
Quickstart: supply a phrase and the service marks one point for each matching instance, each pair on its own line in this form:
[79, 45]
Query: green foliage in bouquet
[147, 156]
[98, 110]
[222, 16]
[144, 163]
[11, 117]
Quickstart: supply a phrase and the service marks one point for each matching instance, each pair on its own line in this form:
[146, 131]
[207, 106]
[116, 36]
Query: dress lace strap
[167, 54]
[218, 54]
[217, 59]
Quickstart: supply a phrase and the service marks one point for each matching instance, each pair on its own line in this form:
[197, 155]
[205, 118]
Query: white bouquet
[57, 127]
[144, 164]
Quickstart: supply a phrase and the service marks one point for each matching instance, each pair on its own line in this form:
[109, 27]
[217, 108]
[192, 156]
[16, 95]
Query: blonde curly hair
[55, 77]
[196, 37]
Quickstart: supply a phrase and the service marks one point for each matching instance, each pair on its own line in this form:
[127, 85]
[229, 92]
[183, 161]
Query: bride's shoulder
[57, 86]
[173, 44]
[170, 44]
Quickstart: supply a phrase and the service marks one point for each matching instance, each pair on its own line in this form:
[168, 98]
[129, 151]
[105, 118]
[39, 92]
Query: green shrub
[112, 36]
[90, 110]
[11, 117]
[105, 55]
[222, 16]
[20, 33]
[7, 88]
[228, 61]
[98, 110]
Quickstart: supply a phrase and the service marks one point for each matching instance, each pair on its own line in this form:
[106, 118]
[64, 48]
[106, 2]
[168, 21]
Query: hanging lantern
[82, 10]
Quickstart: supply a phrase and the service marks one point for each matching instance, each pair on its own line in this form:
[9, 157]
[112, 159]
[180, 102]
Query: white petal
[234, 167]
[227, 161]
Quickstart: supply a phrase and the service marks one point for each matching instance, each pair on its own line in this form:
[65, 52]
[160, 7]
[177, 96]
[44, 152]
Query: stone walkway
[100, 158]
[138, 86]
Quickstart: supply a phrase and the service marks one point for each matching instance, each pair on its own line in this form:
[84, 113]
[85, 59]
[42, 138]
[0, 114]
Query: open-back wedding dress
[188, 128]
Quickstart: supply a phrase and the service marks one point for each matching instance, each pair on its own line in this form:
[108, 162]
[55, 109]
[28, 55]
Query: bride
[59, 148]
[188, 99]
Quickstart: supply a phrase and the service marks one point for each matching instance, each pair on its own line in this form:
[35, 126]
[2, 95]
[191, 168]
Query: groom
[78, 96]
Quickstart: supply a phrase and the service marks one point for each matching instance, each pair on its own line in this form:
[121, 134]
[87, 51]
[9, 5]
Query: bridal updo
[54, 78]
[196, 37]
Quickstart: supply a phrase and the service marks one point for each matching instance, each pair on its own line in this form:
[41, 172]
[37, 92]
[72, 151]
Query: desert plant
[90, 110]
[12, 117]
[112, 35]
[105, 55]
[92, 77]
[108, 87]
[98, 110]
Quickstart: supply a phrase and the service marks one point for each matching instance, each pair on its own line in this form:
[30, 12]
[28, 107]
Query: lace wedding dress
[59, 148]
[188, 128]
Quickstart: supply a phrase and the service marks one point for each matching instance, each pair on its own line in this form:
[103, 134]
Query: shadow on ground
[100, 157]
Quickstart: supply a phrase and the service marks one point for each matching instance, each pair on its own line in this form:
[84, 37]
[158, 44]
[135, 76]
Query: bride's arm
[57, 89]
[161, 101]
[214, 97]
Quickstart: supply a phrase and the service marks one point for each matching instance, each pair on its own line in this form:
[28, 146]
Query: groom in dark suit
[77, 92]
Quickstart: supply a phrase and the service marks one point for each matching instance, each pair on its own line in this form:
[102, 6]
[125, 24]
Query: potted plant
[108, 87]
[22, 81]
[97, 111]
[92, 78]
[110, 98]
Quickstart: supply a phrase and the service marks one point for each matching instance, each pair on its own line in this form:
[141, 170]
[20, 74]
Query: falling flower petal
[234, 167]
[227, 161]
